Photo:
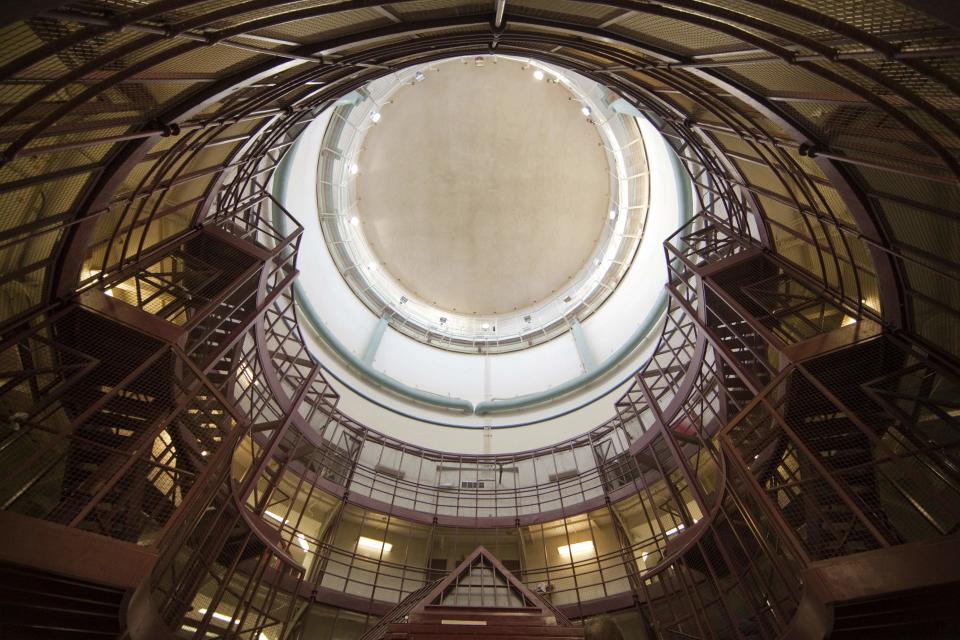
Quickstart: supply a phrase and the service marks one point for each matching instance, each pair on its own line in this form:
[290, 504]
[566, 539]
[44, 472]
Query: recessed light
[355, 221]
[353, 169]
[585, 110]
[538, 75]
[613, 214]
[375, 116]
[577, 549]
[485, 326]
[419, 76]
[370, 545]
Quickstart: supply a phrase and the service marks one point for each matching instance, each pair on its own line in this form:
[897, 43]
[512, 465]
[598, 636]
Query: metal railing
[839, 461]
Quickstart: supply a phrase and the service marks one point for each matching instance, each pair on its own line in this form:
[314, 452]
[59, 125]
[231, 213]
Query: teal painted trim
[459, 404]
[310, 315]
[520, 402]
[685, 204]
[279, 180]
[583, 349]
[375, 338]
[684, 187]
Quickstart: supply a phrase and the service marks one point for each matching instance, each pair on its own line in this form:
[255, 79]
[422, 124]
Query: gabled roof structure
[482, 581]
[480, 597]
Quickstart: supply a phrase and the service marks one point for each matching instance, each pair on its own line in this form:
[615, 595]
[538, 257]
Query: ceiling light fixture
[419, 76]
[375, 546]
[585, 110]
[538, 75]
[375, 116]
[217, 615]
[353, 169]
[576, 550]
[613, 214]
[355, 221]
[224, 618]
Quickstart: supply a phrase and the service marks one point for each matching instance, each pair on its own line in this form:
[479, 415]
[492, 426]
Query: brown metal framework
[800, 408]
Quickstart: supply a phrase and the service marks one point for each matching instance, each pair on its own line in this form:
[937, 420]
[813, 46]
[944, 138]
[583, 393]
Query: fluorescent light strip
[218, 616]
[228, 620]
[376, 546]
[576, 549]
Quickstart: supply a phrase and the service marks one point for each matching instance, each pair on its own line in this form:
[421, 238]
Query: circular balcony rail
[824, 133]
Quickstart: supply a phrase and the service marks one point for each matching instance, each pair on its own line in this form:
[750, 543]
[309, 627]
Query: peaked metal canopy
[482, 581]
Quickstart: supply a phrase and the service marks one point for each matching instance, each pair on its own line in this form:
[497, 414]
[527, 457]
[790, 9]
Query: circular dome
[504, 185]
[516, 177]
[446, 204]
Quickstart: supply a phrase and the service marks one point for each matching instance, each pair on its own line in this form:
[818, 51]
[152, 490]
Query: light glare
[577, 549]
[371, 545]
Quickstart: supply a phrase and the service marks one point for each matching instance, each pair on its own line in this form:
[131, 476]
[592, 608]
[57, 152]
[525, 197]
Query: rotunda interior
[391, 320]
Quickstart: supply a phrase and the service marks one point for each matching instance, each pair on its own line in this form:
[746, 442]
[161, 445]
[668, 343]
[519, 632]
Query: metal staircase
[479, 600]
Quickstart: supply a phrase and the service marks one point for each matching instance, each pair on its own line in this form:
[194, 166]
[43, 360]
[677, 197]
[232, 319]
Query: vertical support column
[583, 348]
[373, 345]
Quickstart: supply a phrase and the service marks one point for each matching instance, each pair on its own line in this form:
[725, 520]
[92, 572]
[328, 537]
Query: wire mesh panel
[825, 130]
[838, 460]
[108, 447]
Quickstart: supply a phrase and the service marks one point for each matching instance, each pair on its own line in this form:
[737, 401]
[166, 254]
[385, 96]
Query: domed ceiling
[482, 206]
[482, 189]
